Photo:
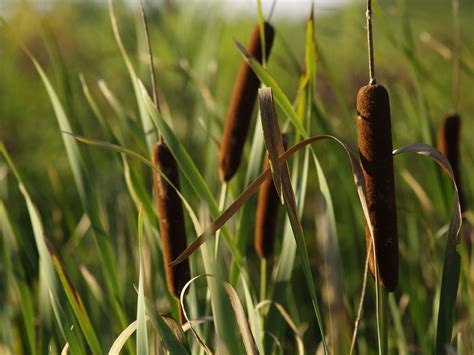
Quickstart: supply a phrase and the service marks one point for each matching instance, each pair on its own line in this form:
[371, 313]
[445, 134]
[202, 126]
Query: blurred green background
[69, 38]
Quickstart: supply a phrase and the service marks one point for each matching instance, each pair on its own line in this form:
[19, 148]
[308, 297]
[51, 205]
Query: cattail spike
[448, 144]
[449, 137]
[241, 106]
[171, 217]
[266, 218]
[375, 149]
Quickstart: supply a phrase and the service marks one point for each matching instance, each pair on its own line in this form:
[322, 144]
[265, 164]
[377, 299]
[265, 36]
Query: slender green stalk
[382, 320]
[394, 310]
[263, 279]
[222, 200]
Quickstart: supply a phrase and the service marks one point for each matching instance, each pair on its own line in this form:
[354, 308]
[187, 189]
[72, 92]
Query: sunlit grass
[81, 256]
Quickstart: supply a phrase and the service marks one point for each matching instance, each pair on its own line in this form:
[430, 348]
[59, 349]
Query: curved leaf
[452, 258]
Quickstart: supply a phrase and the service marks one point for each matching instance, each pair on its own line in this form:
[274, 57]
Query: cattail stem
[171, 217]
[375, 150]
[370, 43]
[263, 279]
[456, 52]
[241, 106]
[361, 301]
[272, 9]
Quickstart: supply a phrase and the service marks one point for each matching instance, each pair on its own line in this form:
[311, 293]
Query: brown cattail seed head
[171, 218]
[241, 106]
[375, 150]
[448, 144]
[267, 214]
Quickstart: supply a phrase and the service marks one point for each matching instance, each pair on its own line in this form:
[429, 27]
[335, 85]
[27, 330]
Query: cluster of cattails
[171, 217]
[241, 106]
[266, 218]
[375, 150]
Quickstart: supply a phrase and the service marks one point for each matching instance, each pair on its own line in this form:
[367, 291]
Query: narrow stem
[150, 58]
[272, 9]
[456, 52]
[383, 294]
[263, 279]
[361, 302]
[370, 42]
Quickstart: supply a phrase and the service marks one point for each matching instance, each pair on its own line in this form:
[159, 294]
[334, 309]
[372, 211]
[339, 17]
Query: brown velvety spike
[448, 144]
[268, 206]
[375, 150]
[241, 106]
[171, 218]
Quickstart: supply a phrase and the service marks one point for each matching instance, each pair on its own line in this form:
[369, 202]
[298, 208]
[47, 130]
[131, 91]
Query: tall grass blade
[189, 322]
[77, 305]
[247, 336]
[247, 220]
[46, 270]
[274, 144]
[120, 341]
[66, 327]
[452, 258]
[171, 342]
[142, 336]
[88, 199]
[20, 288]
[148, 128]
[397, 321]
[286, 316]
[333, 293]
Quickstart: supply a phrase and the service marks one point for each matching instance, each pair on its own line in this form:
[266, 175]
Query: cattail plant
[168, 203]
[241, 106]
[448, 144]
[266, 218]
[171, 217]
[374, 137]
[375, 150]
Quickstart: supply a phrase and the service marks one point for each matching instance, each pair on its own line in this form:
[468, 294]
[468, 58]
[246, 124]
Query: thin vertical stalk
[263, 279]
[456, 53]
[382, 320]
[361, 301]
[150, 59]
[370, 42]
